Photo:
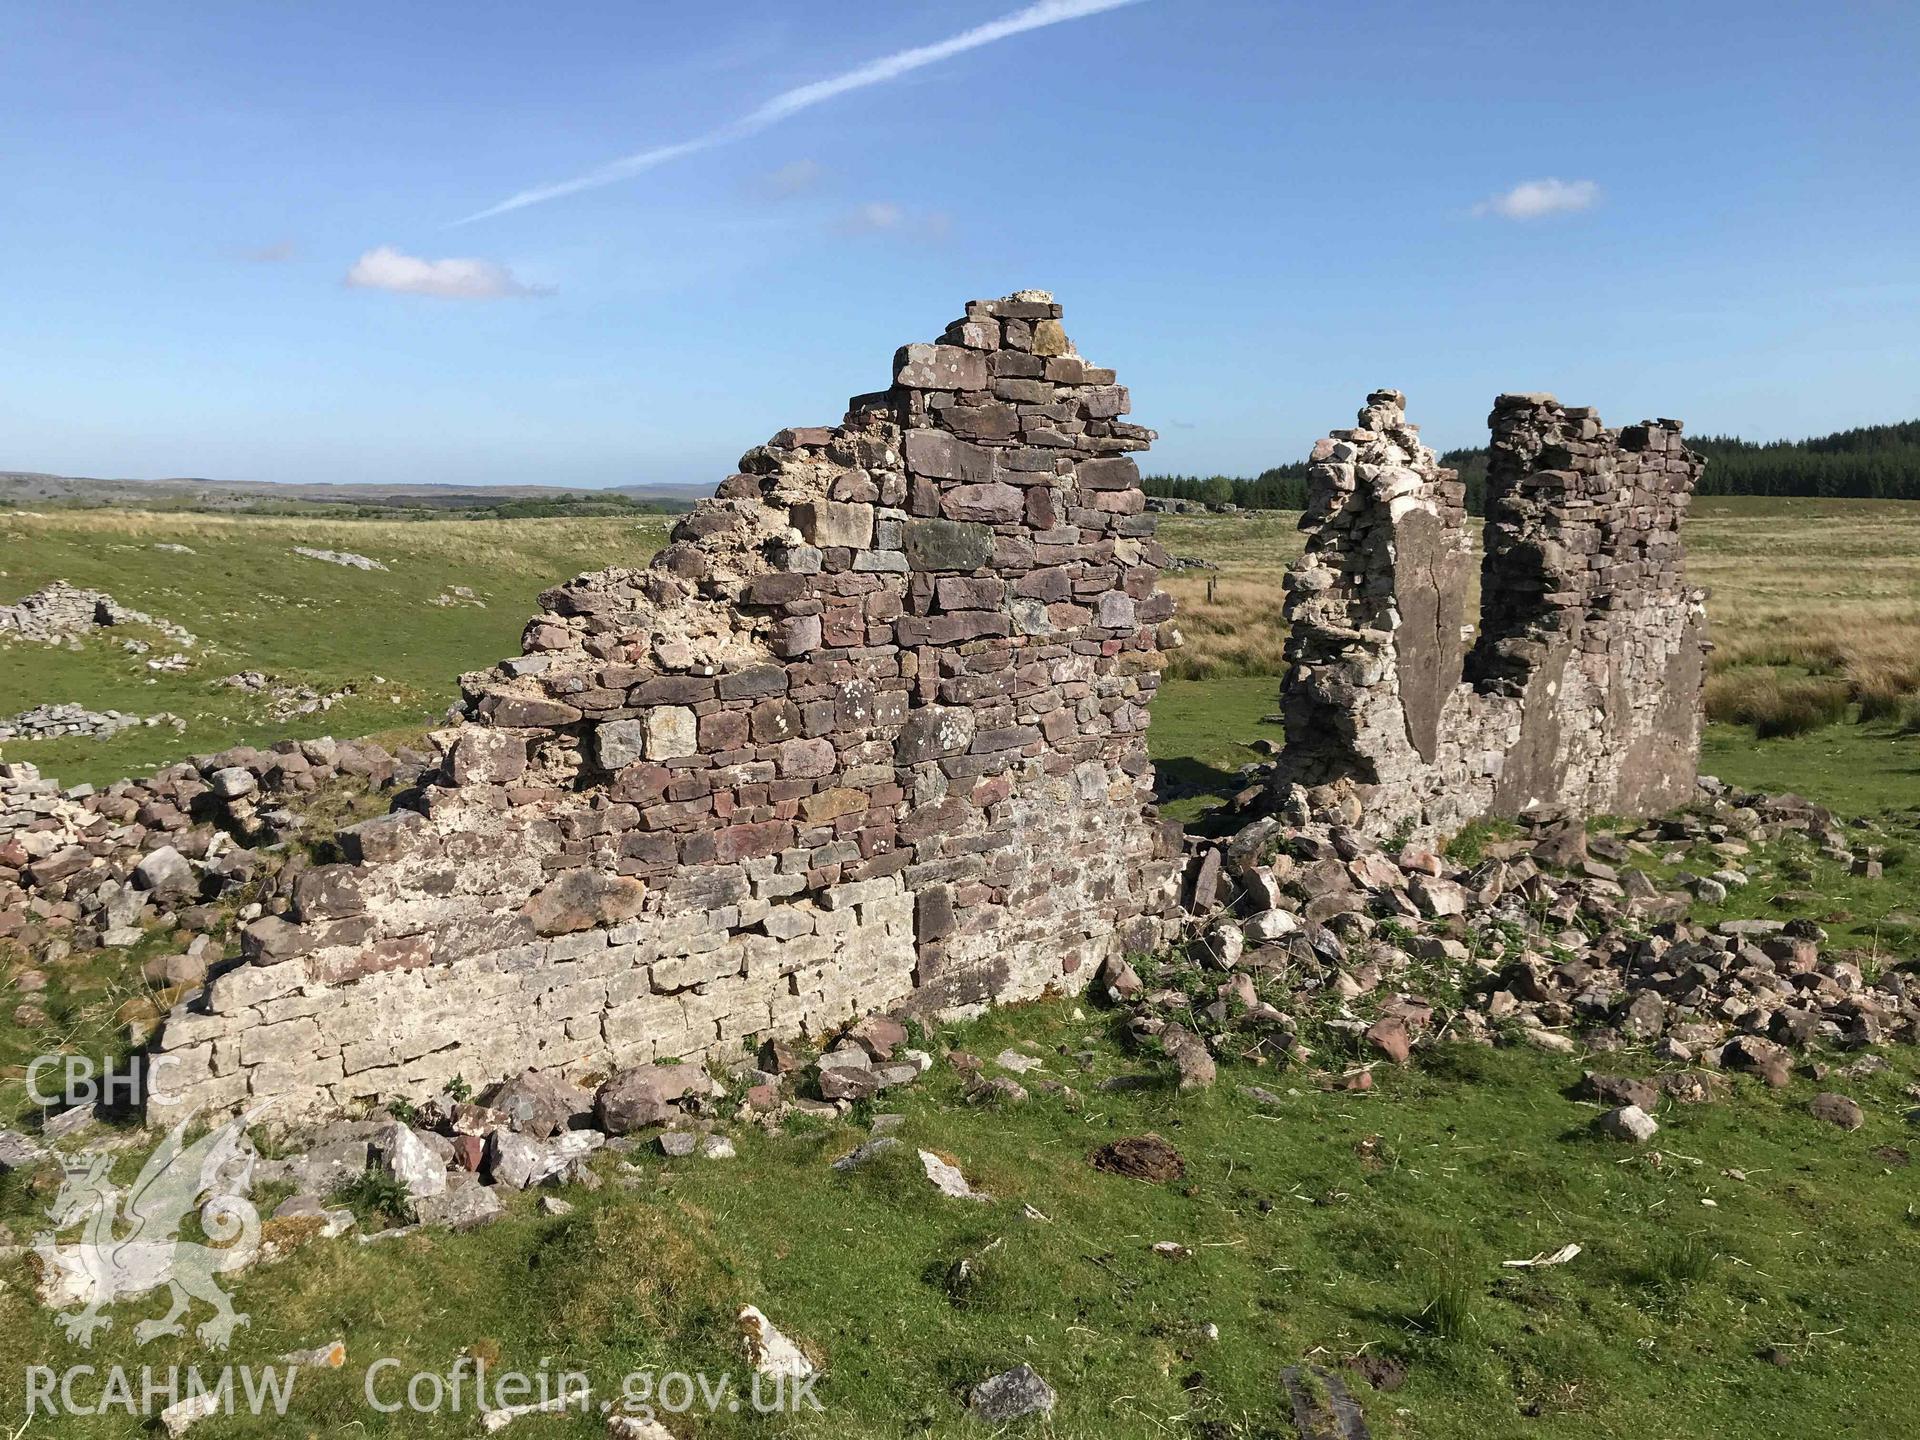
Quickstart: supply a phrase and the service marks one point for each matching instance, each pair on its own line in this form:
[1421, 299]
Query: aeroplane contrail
[791, 102]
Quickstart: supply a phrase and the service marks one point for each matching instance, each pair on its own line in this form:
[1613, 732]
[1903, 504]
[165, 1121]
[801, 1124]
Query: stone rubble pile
[339, 557]
[81, 868]
[284, 701]
[452, 1156]
[59, 614]
[1311, 931]
[44, 722]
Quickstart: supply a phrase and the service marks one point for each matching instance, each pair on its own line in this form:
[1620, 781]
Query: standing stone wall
[869, 732]
[1581, 690]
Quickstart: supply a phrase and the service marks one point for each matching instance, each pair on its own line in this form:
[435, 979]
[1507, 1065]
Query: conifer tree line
[1874, 462]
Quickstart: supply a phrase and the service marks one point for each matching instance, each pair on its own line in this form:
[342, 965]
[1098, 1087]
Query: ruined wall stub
[1582, 688]
[870, 731]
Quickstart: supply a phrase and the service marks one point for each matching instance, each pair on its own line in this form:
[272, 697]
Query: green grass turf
[1326, 1225]
[254, 605]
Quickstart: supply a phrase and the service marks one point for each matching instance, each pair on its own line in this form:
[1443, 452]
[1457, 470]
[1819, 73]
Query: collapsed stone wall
[59, 614]
[1581, 690]
[869, 732]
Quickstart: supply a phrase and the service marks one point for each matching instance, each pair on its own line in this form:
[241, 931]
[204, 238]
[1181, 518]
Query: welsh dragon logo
[106, 1266]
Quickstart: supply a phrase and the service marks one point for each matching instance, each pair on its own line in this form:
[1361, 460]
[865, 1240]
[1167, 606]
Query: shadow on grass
[1183, 777]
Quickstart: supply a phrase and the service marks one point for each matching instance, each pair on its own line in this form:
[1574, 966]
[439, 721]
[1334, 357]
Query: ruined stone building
[868, 732]
[1581, 689]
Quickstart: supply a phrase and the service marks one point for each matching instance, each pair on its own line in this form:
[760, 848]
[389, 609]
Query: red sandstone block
[740, 842]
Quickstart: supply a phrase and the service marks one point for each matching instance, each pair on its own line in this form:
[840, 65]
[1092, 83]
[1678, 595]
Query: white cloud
[886, 217]
[876, 215]
[804, 97]
[796, 177]
[1531, 199]
[386, 268]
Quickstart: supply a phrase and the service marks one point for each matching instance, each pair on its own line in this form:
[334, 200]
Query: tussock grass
[645, 1278]
[1775, 704]
[1677, 1262]
[1447, 1293]
[1239, 632]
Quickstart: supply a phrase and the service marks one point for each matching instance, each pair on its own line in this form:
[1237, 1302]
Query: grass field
[1751, 1273]
[255, 605]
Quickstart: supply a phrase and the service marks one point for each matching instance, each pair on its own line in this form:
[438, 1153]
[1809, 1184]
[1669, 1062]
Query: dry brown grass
[1234, 628]
[1807, 600]
[1775, 704]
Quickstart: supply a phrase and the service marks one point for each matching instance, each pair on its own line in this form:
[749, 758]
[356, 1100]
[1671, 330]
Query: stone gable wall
[1581, 690]
[869, 732]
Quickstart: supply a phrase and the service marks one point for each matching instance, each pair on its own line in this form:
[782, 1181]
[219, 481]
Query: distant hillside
[26, 489]
[1875, 462]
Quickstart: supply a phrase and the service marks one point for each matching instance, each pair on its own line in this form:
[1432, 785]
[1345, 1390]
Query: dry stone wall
[869, 732]
[1582, 688]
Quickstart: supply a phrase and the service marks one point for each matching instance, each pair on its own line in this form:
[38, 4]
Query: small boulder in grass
[1389, 1036]
[1189, 1052]
[768, 1351]
[879, 1036]
[1628, 1122]
[947, 1179]
[1837, 1110]
[180, 1416]
[873, 1148]
[1011, 1395]
[461, 1207]
[1619, 1090]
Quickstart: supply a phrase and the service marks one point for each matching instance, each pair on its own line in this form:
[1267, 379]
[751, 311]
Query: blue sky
[1254, 211]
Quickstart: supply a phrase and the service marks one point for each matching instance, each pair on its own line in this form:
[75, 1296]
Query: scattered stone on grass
[768, 1351]
[1321, 1406]
[633, 1427]
[460, 1207]
[1628, 1122]
[872, 1149]
[1837, 1110]
[339, 557]
[1011, 1395]
[182, 1415]
[492, 1422]
[947, 1179]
